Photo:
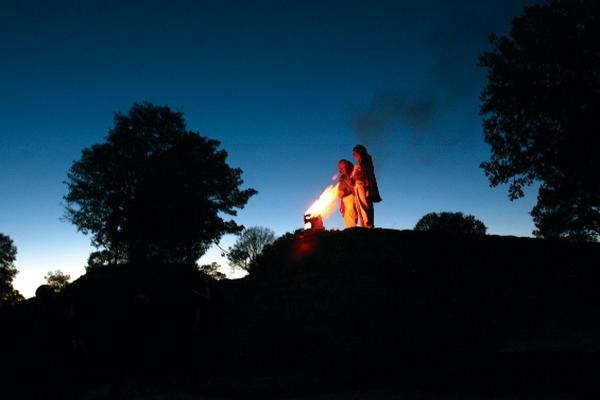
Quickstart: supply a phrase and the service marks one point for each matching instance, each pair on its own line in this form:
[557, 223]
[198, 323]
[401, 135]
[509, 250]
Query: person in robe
[366, 191]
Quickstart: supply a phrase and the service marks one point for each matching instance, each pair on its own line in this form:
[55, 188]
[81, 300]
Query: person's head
[359, 152]
[345, 167]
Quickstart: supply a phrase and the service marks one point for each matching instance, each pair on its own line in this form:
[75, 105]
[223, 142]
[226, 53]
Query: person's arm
[344, 186]
[358, 173]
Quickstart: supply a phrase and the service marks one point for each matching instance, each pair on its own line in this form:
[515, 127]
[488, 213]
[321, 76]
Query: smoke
[387, 109]
[446, 84]
[412, 120]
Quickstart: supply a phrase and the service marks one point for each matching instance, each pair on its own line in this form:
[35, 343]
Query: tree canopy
[451, 222]
[103, 258]
[249, 245]
[57, 280]
[8, 271]
[154, 191]
[540, 110]
[213, 270]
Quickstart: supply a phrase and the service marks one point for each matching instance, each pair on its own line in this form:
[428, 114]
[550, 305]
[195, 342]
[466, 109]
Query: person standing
[346, 193]
[366, 191]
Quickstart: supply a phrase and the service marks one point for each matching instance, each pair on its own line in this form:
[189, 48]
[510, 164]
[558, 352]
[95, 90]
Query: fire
[325, 204]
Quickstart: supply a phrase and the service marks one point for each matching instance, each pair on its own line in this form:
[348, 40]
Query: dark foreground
[354, 314]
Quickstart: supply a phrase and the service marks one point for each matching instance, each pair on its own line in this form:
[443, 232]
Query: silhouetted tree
[540, 111]
[103, 258]
[249, 244]
[57, 280]
[154, 190]
[8, 255]
[213, 270]
[451, 222]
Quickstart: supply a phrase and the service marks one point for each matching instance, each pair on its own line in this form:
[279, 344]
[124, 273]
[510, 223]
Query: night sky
[288, 87]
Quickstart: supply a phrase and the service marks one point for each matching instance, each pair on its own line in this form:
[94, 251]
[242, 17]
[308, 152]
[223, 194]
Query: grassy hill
[510, 313]
[324, 311]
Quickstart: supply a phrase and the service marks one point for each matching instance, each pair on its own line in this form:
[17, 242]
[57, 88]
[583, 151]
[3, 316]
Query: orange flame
[325, 204]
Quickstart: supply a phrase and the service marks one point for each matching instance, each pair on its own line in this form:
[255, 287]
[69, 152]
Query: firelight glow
[325, 204]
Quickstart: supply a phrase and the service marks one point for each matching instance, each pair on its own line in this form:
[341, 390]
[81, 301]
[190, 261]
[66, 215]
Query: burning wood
[321, 209]
[313, 223]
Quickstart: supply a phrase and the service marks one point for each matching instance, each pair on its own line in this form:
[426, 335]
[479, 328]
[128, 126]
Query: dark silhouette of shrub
[57, 280]
[248, 246]
[213, 270]
[451, 222]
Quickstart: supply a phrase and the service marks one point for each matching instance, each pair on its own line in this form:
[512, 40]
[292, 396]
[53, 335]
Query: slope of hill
[406, 305]
[327, 311]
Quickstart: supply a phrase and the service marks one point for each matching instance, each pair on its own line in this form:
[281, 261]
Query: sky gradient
[287, 87]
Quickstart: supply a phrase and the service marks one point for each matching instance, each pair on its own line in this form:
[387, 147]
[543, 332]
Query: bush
[451, 222]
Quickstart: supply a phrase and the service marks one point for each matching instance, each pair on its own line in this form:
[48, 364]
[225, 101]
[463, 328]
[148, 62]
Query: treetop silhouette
[154, 191]
[451, 222]
[540, 110]
[8, 271]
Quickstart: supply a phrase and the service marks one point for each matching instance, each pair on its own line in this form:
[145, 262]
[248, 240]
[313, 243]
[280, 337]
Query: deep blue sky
[289, 87]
